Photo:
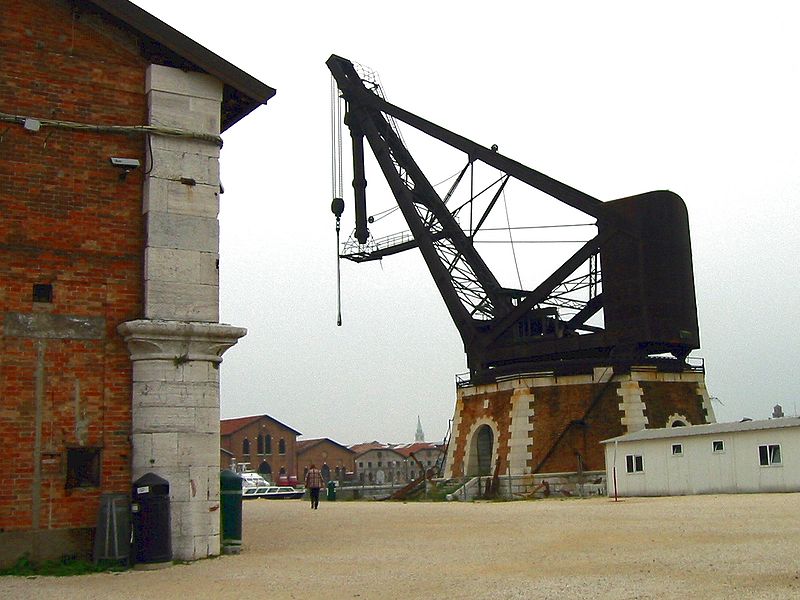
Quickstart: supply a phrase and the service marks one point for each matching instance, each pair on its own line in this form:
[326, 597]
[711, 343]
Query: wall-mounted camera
[127, 164]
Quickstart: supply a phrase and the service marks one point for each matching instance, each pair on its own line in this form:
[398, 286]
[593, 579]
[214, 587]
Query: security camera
[125, 163]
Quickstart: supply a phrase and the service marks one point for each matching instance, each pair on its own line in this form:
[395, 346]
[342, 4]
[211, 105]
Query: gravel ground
[728, 546]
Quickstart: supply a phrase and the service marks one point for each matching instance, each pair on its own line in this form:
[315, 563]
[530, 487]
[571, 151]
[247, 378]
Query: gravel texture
[727, 546]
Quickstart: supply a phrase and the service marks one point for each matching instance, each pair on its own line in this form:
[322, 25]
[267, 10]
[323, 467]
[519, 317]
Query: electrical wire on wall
[32, 122]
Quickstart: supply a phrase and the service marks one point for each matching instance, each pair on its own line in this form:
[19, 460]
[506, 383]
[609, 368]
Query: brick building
[430, 455]
[264, 444]
[548, 424]
[378, 463]
[110, 336]
[334, 460]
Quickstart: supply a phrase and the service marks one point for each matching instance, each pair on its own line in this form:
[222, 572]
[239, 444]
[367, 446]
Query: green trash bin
[230, 492]
[331, 490]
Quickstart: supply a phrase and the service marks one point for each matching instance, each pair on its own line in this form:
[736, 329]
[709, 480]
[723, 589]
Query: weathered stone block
[182, 232]
[181, 301]
[199, 115]
[181, 266]
[176, 165]
[175, 197]
[186, 83]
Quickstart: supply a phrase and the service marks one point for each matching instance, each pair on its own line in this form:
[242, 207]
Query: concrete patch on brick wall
[46, 325]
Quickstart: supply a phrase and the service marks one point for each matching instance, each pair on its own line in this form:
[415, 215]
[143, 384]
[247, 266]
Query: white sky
[613, 98]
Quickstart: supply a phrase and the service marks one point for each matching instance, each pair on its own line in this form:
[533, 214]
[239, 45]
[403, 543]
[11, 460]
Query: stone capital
[178, 340]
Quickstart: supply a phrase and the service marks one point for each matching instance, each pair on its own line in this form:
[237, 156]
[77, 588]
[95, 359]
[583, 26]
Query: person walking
[314, 482]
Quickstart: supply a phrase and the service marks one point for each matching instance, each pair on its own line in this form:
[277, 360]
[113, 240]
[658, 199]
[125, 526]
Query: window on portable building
[634, 463]
[717, 446]
[769, 454]
[677, 449]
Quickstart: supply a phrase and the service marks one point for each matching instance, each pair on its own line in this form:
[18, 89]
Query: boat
[283, 492]
[253, 485]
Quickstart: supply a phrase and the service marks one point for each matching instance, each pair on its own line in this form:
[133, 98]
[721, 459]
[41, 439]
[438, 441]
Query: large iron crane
[639, 262]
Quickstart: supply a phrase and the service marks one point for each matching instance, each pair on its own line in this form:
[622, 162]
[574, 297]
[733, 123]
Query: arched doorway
[481, 452]
[265, 470]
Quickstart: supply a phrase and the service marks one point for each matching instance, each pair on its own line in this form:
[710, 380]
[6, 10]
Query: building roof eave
[244, 94]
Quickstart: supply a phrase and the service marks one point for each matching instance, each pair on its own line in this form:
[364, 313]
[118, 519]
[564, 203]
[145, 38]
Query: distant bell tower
[420, 435]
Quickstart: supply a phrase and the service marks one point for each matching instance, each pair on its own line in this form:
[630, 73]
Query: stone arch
[677, 420]
[265, 469]
[481, 454]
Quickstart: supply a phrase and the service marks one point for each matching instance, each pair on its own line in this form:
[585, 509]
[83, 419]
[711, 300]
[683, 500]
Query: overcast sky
[613, 98]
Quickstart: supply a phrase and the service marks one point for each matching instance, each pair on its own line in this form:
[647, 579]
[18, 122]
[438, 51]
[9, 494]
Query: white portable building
[717, 458]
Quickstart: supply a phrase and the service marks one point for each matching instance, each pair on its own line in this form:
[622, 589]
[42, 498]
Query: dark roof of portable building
[165, 45]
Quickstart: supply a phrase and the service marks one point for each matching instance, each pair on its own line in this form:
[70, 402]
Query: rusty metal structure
[638, 267]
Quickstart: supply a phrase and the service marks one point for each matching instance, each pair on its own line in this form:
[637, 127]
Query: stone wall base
[45, 544]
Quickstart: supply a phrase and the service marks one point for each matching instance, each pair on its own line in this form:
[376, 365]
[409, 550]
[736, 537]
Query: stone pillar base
[175, 421]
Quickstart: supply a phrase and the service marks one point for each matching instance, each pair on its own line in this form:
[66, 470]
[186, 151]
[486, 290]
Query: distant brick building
[334, 460]
[109, 283]
[378, 463]
[265, 444]
[429, 455]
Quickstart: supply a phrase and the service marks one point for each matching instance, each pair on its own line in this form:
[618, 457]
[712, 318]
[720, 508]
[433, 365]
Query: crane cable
[511, 240]
[337, 187]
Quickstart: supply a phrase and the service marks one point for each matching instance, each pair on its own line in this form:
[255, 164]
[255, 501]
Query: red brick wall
[67, 220]
[276, 460]
[555, 410]
[498, 411]
[666, 399]
[326, 453]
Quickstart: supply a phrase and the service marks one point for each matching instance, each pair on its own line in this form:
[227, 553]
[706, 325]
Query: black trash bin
[152, 537]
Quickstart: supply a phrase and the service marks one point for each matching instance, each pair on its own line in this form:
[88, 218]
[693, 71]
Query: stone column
[175, 431]
[177, 347]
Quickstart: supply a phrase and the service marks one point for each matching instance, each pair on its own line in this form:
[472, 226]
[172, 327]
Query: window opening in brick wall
[677, 449]
[769, 455]
[83, 467]
[282, 446]
[260, 444]
[634, 463]
[246, 447]
[43, 292]
[268, 444]
[717, 446]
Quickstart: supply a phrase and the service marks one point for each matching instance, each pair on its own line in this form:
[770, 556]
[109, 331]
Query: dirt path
[730, 546]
